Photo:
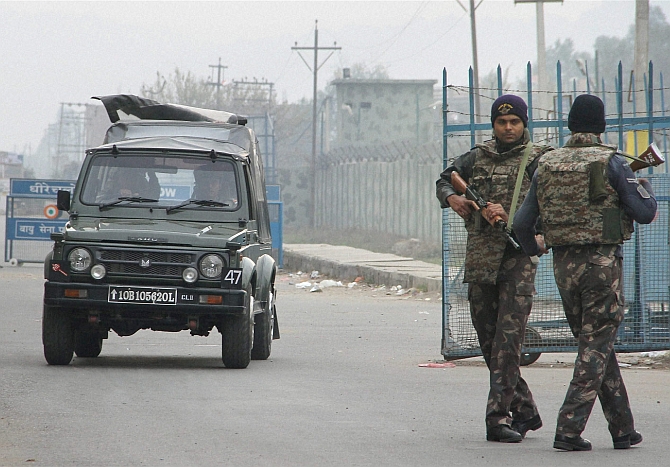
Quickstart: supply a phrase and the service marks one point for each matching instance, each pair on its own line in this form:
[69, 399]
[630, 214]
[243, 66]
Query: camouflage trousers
[590, 282]
[499, 314]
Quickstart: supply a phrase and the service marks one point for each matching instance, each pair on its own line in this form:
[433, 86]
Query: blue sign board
[35, 188]
[175, 192]
[29, 229]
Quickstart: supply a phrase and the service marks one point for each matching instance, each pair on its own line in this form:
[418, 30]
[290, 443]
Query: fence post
[559, 102]
[529, 80]
[619, 103]
[471, 94]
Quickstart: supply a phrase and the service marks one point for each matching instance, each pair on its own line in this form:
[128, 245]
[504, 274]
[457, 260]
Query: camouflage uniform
[589, 279]
[500, 279]
[585, 225]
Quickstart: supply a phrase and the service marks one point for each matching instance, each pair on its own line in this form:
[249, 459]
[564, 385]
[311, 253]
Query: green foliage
[611, 50]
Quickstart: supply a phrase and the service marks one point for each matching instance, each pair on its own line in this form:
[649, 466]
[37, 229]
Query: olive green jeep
[168, 230]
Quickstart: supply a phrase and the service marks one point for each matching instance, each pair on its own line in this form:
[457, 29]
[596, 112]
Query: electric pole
[542, 79]
[475, 66]
[219, 81]
[641, 43]
[315, 71]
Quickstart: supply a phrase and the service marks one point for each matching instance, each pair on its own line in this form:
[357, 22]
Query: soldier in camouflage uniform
[588, 198]
[500, 278]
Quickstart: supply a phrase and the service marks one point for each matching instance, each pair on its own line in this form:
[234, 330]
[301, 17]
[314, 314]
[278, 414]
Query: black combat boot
[571, 443]
[503, 433]
[626, 441]
[522, 427]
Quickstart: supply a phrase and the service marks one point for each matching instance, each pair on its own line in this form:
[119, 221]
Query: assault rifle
[470, 193]
[650, 157]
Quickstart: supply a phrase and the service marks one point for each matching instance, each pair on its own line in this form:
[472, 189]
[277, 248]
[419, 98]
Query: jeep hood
[152, 231]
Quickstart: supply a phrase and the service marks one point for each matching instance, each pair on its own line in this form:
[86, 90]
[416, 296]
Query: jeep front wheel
[238, 336]
[263, 333]
[57, 336]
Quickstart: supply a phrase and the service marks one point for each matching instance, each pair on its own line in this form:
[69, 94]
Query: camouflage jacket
[577, 203]
[493, 175]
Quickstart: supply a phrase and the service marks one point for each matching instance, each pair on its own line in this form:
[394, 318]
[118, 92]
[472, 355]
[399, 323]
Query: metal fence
[394, 194]
[646, 324]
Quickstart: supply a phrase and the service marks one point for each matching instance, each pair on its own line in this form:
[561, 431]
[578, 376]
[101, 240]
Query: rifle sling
[517, 187]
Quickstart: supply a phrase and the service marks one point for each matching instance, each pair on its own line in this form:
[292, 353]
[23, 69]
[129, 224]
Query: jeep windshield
[141, 180]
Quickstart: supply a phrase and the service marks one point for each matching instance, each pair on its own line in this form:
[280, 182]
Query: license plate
[142, 295]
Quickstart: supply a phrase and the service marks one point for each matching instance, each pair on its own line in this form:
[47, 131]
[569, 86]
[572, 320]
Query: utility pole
[542, 79]
[641, 43]
[315, 71]
[255, 85]
[219, 82]
[475, 66]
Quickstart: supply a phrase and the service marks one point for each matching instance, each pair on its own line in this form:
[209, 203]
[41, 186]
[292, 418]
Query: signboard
[33, 229]
[175, 192]
[31, 218]
[31, 188]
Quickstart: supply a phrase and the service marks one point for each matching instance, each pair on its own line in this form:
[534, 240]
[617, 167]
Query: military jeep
[168, 230]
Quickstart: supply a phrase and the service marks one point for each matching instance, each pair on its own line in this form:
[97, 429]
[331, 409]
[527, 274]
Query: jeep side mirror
[63, 200]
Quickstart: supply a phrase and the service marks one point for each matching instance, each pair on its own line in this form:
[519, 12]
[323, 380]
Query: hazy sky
[54, 52]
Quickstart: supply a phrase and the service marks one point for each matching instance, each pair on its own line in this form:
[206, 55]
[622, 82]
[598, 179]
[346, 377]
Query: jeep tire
[87, 344]
[57, 336]
[263, 333]
[238, 336]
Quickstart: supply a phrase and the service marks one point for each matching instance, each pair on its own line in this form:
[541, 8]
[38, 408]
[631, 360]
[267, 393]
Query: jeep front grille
[162, 263]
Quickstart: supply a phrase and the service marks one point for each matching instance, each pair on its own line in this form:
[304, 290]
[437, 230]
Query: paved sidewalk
[347, 263]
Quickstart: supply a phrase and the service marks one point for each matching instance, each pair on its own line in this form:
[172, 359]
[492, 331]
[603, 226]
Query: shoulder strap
[519, 181]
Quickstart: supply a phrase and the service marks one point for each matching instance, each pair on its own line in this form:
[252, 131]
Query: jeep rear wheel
[238, 336]
[87, 344]
[263, 333]
[57, 336]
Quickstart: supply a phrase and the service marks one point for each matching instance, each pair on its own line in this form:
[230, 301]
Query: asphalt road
[343, 387]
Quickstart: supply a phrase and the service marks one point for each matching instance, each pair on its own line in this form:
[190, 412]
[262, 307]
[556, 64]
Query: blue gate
[646, 324]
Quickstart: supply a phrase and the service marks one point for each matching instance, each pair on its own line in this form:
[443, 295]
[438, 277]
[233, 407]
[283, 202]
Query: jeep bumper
[143, 301]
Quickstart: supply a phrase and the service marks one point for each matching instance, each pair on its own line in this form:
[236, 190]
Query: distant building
[379, 111]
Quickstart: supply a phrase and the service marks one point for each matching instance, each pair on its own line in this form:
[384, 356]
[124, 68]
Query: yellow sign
[636, 142]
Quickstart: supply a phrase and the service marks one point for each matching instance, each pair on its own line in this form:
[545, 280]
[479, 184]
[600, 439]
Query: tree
[243, 98]
[612, 50]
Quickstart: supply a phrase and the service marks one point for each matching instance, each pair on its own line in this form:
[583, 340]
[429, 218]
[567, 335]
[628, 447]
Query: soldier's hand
[493, 210]
[541, 245]
[462, 206]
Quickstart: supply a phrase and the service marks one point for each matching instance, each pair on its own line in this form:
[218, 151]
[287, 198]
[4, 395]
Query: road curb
[347, 263]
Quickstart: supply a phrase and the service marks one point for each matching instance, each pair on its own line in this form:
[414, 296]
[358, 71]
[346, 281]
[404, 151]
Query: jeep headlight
[211, 266]
[80, 259]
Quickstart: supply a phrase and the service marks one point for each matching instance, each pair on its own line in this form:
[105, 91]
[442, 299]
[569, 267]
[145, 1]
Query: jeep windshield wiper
[128, 199]
[199, 202]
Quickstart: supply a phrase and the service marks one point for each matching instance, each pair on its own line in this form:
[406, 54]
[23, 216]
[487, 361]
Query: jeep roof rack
[123, 106]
